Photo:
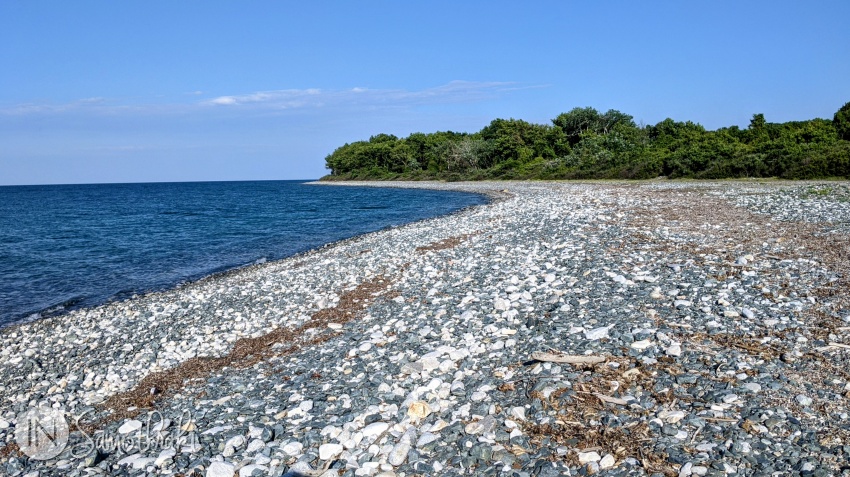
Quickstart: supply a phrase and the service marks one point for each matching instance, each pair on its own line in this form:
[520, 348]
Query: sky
[151, 91]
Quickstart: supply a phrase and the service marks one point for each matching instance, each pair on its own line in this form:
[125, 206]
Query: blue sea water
[69, 246]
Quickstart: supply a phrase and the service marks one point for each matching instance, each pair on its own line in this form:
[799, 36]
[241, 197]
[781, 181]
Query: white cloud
[455, 91]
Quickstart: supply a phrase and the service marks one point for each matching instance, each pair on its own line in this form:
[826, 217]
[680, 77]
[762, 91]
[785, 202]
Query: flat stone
[585, 457]
[329, 451]
[597, 333]
[293, 448]
[804, 400]
[607, 462]
[130, 426]
[254, 446]
[250, 468]
[642, 345]
[674, 349]
[221, 469]
[429, 363]
[398, 454]
[375, 429]
[482, 426]
[418, 410]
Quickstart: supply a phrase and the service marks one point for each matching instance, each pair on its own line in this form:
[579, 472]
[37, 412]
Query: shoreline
[118, 297]
[455, 328]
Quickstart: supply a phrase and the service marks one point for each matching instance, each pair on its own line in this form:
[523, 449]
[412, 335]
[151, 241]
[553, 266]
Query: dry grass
[10, 450]
[702, 224]
[578, 411]
[445, 244]
[246, 352]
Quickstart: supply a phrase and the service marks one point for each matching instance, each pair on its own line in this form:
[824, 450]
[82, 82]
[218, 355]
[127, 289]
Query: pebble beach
[645, 328]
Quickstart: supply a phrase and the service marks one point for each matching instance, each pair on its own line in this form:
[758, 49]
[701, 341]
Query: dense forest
[587, 144]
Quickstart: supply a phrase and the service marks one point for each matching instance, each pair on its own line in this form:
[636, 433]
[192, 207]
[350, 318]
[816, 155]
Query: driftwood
[566, 358]
[833, 345]
[609, 399]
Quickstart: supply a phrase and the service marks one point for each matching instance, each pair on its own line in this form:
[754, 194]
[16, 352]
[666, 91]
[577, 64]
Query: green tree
[841, 121]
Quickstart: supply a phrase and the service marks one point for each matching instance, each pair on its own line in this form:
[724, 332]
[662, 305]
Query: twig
[609, 399]
[833, 344]
[566, 358]
[719, 419]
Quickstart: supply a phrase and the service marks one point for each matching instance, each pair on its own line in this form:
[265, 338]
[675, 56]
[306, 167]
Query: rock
[254, 446]
[329, 451]
[671, 417]
[642, 345]
[674, 350]
[597, 333]
[221, 469]
[748, 314]
[585, 457]
[418, 410]
[426, 438]
[248, 470]
[430, 363]
[376, 428]
[483, 426]
[398, 454]
[804, 400]
[164, 457]
[293, 448]
[130, 426]
[607, 462]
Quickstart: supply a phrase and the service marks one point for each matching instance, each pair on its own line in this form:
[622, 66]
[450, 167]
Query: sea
[69, 246]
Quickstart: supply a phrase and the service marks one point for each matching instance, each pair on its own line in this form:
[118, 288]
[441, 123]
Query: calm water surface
[63, 247]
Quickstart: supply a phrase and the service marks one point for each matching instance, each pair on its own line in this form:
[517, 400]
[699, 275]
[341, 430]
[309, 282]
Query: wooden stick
[718, 419]
[612, 400]
[566, 358]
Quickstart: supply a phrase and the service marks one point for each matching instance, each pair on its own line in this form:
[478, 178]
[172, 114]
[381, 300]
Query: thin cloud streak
[453, 92]
[286, 99]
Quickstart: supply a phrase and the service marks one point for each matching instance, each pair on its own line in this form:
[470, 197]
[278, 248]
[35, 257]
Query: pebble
[804, 400]
[597, 333]
[419, 410]
[642, 345]
[585, 457]
[130, 426]
[437, 380]
[375, 429]
[398, 454]
[674, 350]
[221, 469]
[329, 451]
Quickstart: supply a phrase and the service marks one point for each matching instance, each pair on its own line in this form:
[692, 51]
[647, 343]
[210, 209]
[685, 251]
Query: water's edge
[490, 196]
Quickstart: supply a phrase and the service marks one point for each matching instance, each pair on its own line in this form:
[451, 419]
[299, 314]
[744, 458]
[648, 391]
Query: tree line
[588, 144]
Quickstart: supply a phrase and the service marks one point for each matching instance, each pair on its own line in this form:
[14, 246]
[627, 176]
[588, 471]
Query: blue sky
[138, 91]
